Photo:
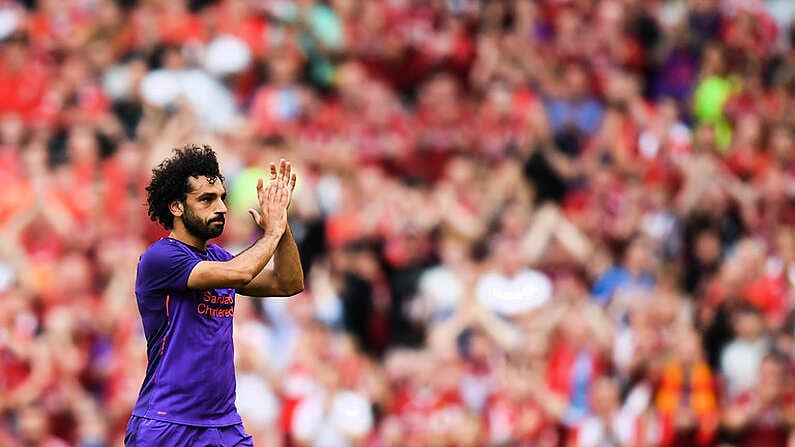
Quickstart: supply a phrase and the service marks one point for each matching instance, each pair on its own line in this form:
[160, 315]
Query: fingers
[286, 189]
[281, 197]
[275, 191]
[287, 169]
[282, 173]
[260, 190]
[267, 192]
[256, 216]
[281, 179]
[282, 168]
[274, 174]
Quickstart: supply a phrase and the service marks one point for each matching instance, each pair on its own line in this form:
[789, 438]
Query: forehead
[202, 184]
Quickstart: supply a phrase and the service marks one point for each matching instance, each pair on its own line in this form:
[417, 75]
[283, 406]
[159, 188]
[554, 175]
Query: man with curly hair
[185, 290]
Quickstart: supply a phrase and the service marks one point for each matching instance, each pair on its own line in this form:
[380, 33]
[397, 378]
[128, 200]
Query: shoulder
[219, 252]
[532, 275]
[162, 248]
[166, 265]
[614, 274]
[166, 254]
[438, 273]
[731, 348]
[490, 279]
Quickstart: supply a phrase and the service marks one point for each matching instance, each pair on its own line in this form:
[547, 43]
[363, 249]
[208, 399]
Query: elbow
[295, 289]
[295, 284]
[292, 288]
[299, 286]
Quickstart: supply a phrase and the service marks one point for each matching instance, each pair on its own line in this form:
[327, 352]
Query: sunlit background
[523, 222]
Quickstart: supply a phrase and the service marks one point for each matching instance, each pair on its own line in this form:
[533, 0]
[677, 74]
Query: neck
[181, 234]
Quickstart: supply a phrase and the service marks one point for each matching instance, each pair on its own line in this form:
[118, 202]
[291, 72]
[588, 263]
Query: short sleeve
[218, 253]
[165, 266]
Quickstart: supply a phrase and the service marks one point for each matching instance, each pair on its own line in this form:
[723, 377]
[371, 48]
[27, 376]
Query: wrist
[273, 233]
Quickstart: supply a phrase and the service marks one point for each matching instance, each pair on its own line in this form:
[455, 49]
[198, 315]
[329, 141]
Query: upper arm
[165, 268]
[219, 272]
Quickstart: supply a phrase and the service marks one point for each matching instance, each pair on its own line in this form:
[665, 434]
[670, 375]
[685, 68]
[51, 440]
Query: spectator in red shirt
[765, 415]
[278, 105]
[686, 397]
[23, 82]
[416, 122]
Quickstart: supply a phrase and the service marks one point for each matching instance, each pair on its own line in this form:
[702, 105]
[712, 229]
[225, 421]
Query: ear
[177, 208]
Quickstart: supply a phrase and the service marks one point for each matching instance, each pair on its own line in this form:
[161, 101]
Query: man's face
[205, 210]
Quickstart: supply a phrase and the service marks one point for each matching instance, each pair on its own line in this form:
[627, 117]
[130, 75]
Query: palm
[275, 198]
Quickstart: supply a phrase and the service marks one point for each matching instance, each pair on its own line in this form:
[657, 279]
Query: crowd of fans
[522, 222]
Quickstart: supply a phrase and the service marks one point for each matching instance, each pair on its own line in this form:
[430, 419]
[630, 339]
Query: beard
[205, 230]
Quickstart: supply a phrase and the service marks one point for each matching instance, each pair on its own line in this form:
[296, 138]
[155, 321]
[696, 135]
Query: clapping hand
[274, 199]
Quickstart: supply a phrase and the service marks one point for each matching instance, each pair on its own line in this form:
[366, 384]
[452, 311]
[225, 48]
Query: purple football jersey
[190, 377]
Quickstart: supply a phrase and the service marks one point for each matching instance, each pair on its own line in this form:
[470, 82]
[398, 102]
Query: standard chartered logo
[217, 305]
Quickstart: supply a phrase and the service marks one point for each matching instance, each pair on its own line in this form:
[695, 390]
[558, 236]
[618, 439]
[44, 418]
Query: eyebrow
[210, 195]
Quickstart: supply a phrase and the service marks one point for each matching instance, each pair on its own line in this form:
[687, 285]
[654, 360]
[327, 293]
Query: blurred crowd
[522, 222]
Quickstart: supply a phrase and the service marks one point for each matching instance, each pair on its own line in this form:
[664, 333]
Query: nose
[220, 207]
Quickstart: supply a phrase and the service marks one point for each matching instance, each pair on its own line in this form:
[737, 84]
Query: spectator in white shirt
[512, 288]
[441, 288]
[740, 359]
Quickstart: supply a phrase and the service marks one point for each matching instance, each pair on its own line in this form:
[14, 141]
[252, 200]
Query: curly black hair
[170, 179]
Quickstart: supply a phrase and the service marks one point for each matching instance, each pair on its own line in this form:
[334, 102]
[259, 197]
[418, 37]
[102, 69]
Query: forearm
[539, 234]
[285, 279]
[287, 264]
[506, 336]
[573, 240]
[237, 272]
[253, 260]
[442, 335]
